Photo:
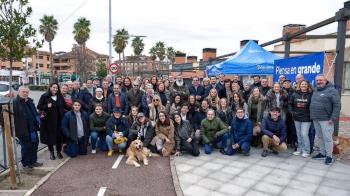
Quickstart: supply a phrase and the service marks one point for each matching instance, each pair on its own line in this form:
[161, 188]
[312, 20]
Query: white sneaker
[93, 151]
[297, 153]
[305, 155]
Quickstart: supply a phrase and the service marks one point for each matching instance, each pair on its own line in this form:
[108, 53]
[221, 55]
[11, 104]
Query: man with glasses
[197, 90]
[241, 134]
[117, 99]
[134, 96]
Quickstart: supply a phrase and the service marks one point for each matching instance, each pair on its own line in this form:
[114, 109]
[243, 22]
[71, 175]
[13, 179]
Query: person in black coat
[143, 130]
[134, 96]
[26, 124]
[51, 109]
[196, 89]
[75, 126]
[184, 136]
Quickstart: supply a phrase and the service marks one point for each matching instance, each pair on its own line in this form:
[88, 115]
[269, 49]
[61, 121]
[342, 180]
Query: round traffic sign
[115, 68]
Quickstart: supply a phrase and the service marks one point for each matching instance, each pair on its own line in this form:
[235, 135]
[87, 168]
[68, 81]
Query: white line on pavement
[102, 191]
[115, 165]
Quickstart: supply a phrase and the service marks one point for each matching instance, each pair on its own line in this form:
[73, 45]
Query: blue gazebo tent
[252, 59]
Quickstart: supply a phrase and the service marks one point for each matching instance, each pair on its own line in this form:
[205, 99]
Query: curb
[45, 178]
[176, 182]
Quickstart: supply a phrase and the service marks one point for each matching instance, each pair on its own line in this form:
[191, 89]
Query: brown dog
[343, 145]
[137, 153]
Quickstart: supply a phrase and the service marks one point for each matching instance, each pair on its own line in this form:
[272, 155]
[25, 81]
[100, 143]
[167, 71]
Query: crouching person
[117, 131]
[98, 133]
[164, 139]
[184, 136]
[274, 132]
[241, 134]
[143, 130]
[214, 132]
[75, 127]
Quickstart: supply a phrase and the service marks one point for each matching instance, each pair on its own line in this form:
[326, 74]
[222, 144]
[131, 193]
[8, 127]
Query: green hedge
[38, 87]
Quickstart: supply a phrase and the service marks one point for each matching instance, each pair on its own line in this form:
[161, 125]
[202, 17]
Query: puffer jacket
[270, 127]
[183, 132]
[241, 131]
[325, 104]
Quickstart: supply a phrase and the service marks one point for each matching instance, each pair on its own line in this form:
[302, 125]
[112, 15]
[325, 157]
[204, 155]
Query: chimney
[293, 28]
[180, 58]
[209, 53]
[191, 59]
[245, 41]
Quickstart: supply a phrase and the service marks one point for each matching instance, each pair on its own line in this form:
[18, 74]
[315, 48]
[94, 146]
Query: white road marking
[115, 165]
[102, 191]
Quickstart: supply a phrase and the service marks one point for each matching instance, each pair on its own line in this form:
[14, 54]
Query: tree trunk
[124, 68]
[52, 78]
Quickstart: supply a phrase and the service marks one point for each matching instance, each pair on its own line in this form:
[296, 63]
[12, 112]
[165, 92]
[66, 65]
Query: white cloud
[188, 25]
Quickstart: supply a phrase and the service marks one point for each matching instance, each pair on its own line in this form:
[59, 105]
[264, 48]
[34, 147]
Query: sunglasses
[156, 99]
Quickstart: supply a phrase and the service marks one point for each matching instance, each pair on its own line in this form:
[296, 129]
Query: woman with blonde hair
[154, 109]
[213, 99]
[256, 107]
[224, 112]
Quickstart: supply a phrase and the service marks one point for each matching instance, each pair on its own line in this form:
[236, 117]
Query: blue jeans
[75, 149]
[100, 139]
[28, 150]
[245, 147]
[302, 129]
[312, 134]
[324, 132]
[222, 140]
[109, 141]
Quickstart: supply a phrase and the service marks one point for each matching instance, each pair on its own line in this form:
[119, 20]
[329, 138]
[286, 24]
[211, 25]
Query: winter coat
[299, 106]
[183, 132]
[145, 104]
[325, 104]
[69, 126]
[120, 125]
[271, 101]
[85, 96]
[163, 97]
[20, 117]
[241, 131]
[200, 91]
[50, 123]
[264, 90]
[270, 127]
[98, 123]
[123, 104]
[96, 101]
[163, 132]
[261, 104]
[135, 132]
[226, 117]
[180, 90]
[200, 115]
[212, 129]
[134, 98]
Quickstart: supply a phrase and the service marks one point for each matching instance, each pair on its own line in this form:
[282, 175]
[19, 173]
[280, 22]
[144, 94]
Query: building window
[41, 65]
[41, 57]
[347, 77]
[48, 58]
[48, 65]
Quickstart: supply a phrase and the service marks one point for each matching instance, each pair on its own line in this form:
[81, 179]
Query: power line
[73, 12]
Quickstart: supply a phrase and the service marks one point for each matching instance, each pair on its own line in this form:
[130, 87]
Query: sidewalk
[284, 174]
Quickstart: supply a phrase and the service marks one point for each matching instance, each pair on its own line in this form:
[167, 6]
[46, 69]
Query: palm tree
[160, 46]
[170, 54]
[48, 28]
[81, 35]
[153, 53]
[120, 41]
[138, 46]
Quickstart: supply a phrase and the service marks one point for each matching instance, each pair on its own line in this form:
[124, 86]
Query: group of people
[172, 118]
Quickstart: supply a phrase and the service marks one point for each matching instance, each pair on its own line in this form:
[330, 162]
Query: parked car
[5, 94]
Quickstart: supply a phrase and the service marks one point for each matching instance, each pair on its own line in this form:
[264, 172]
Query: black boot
[59, 155]
[52, 155]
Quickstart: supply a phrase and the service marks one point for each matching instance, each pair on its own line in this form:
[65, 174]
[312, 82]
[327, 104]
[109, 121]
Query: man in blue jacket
[274, 132]
[196, 89]
[119, 124]
[241, 134]
[117, 99]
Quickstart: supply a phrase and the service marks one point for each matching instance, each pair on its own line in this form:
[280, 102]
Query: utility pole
[110, 35]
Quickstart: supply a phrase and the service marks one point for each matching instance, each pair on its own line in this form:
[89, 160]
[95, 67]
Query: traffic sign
[115, 68]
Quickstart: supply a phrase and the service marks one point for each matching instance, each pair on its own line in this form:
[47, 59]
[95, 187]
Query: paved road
[85, 175]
